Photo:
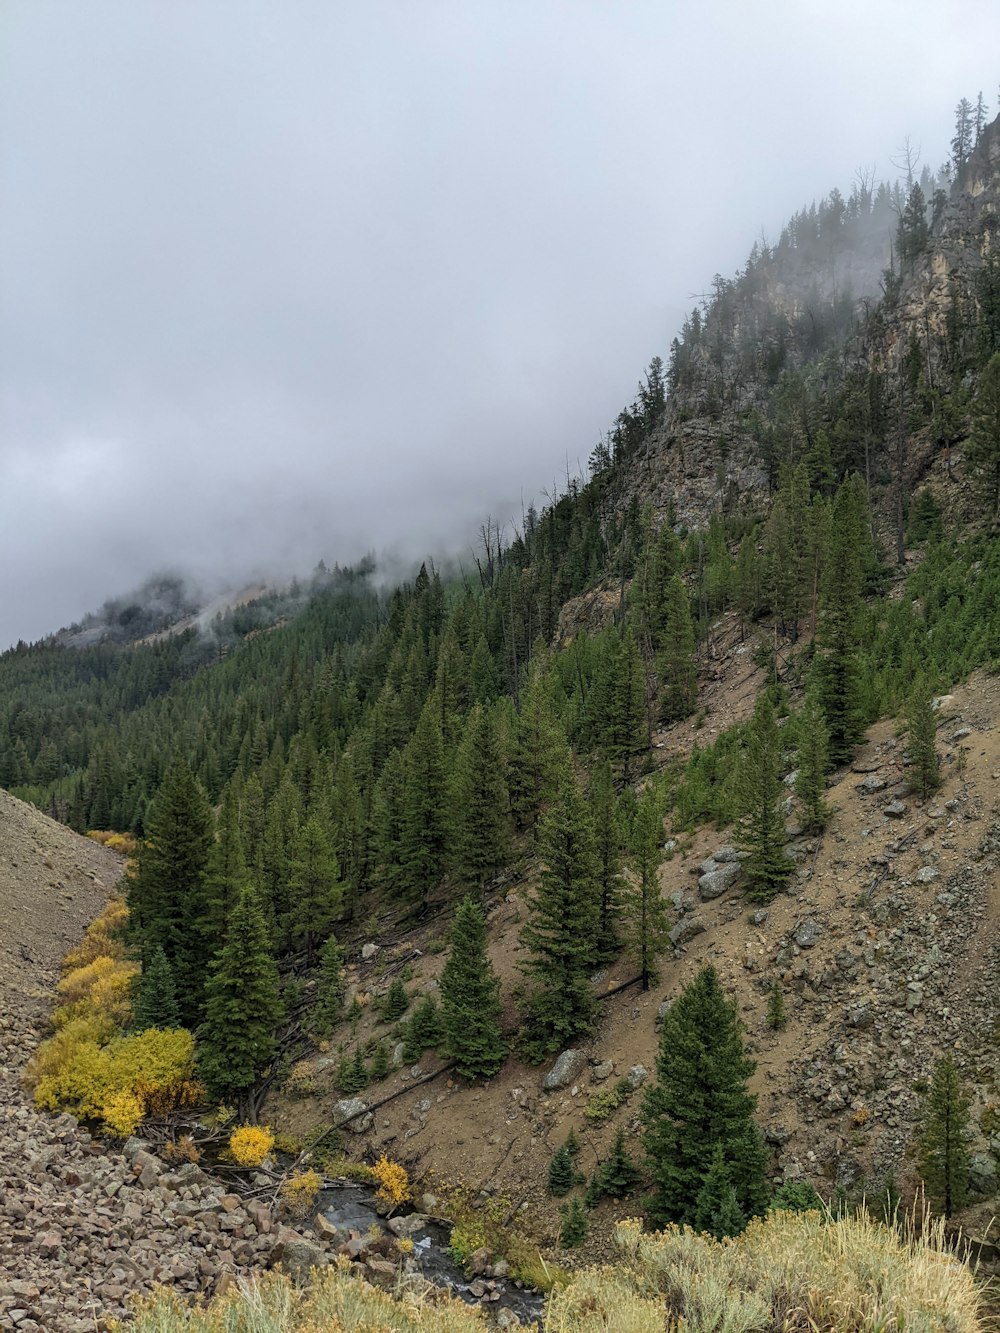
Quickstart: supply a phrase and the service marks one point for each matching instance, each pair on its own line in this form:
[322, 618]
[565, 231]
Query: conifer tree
[561, 931]
[647, 915]
[573, 1231]
[607, 821]
[424, 830]
[562, 1174]
[380, 1062]
[167, 898]
[619, 1175]
[717, 1210]
[424, 1030]
[776, 1016]
[810, 783]
[700, 1101]
[352, 1075]
[156, 999]
[470, 997]
[329, 1003]
[840, 621]
[617, 700]
[921, 730]
[675, 662]
[944, 1138]
[396, 1001]
[242, 1006]
[539, 750]
[227, 868]
[387, 826]
[315, 890]
[759, 801]
[481, 801]
[593, 1194]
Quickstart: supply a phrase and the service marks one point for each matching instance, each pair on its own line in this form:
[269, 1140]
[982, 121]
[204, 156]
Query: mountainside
[426, 869]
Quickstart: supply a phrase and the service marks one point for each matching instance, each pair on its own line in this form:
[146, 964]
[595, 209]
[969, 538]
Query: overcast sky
[289, 280]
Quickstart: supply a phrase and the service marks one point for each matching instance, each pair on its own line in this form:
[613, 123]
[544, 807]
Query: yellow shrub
[103, 936]
[300, 1192]
[393, 1182]
[123, 1113]
[118, 842]
[250, 1144]
[101, 986]
[55, 1053]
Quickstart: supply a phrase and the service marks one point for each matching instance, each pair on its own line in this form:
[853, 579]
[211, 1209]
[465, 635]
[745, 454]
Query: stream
[351, 1209]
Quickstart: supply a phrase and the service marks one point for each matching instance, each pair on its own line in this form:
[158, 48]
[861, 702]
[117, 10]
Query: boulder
[809, 933]
[872, 783]
[714, 883]
[295, 1254]
[637, 1075]
[726, 856]
[602, 1071]
[686, 930]
[567, 1066]
[348, 1110]
[368, 951]
[983, 1173]
[895, 810]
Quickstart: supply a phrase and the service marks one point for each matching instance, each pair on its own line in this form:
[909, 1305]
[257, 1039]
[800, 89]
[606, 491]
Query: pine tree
[424, 831]
[329, 1004]
[573, 1231]
[168, 904]
[921, 730]
[470, 997]
[156, 999]
[617, 699]
[352, 1075]
[380, 1062]
[840, 621]
[396, 1001]
[810, 784]
[481, 801]
[606, 815]
[562, 1174]
[675, 662]
[700, 1101]
[647, 917]
[242, 1006]
[776, 1016]
[424, 1031]
[593, 1194]
[314, 886]
[760, 797]
[227, 868]
[984, 437]
[717, 1210]
[944, 1138]
[619, 1175]
[561, 931]
[539, 750]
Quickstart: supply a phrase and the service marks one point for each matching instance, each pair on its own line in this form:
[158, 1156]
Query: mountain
[784, 552]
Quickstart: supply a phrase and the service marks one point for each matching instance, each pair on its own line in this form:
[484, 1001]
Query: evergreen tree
[156, 999]
[242, 1006]
[352, 1076]
[380, 1062]
[607, 821]
[760, 797]
[168, 904]
[470, 997]
[617, 699]
[424, 831]
[619, 1175]
[921, 730]
[386, 838]
[984, 437]
[329, 1003]
[717, 1210]
[573, 1230]
[314, 885]
[810, 783]
[700, 1101]
[944, 1138]
[648, 923]
[561, 931]
[396, 1001]
[840, 621]
[593, 1194]
[562, 1173]
[481, 831]
[675, 662]
[776, 1016]
[424, 1031]
[539, 750]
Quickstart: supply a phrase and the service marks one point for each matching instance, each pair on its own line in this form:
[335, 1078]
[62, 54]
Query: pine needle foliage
[470, 997]
[944, 1138]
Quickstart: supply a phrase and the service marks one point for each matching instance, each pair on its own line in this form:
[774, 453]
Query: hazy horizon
[283, 283]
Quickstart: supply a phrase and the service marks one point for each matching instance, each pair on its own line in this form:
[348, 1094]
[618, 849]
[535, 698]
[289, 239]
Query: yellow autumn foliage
[104, 936]
[393, 1182]
[123, 1113]
[102, 986]
[250, 1144]
[299, 1193]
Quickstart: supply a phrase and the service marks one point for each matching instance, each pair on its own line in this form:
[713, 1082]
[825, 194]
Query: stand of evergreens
[470, 997]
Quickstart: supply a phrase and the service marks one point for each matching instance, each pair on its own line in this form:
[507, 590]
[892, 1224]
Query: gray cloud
[282, 281]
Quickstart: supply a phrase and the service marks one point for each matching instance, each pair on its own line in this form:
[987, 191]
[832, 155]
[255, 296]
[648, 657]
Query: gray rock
[759, 918]
[662, 1012]
[708, 866]
[961, 733]
[942, 701]
[602, 1071]
[808, 934]
[637, 1076]
[296, 1256]
[399, 1055]
[895, 809]
[567, 1066]
[726, 856]
[714, 883]
[368, 951]
[871, 784]
[926, 875]
[349, 1109]
[685, 931]
[983, 1173]
[859, 1015]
